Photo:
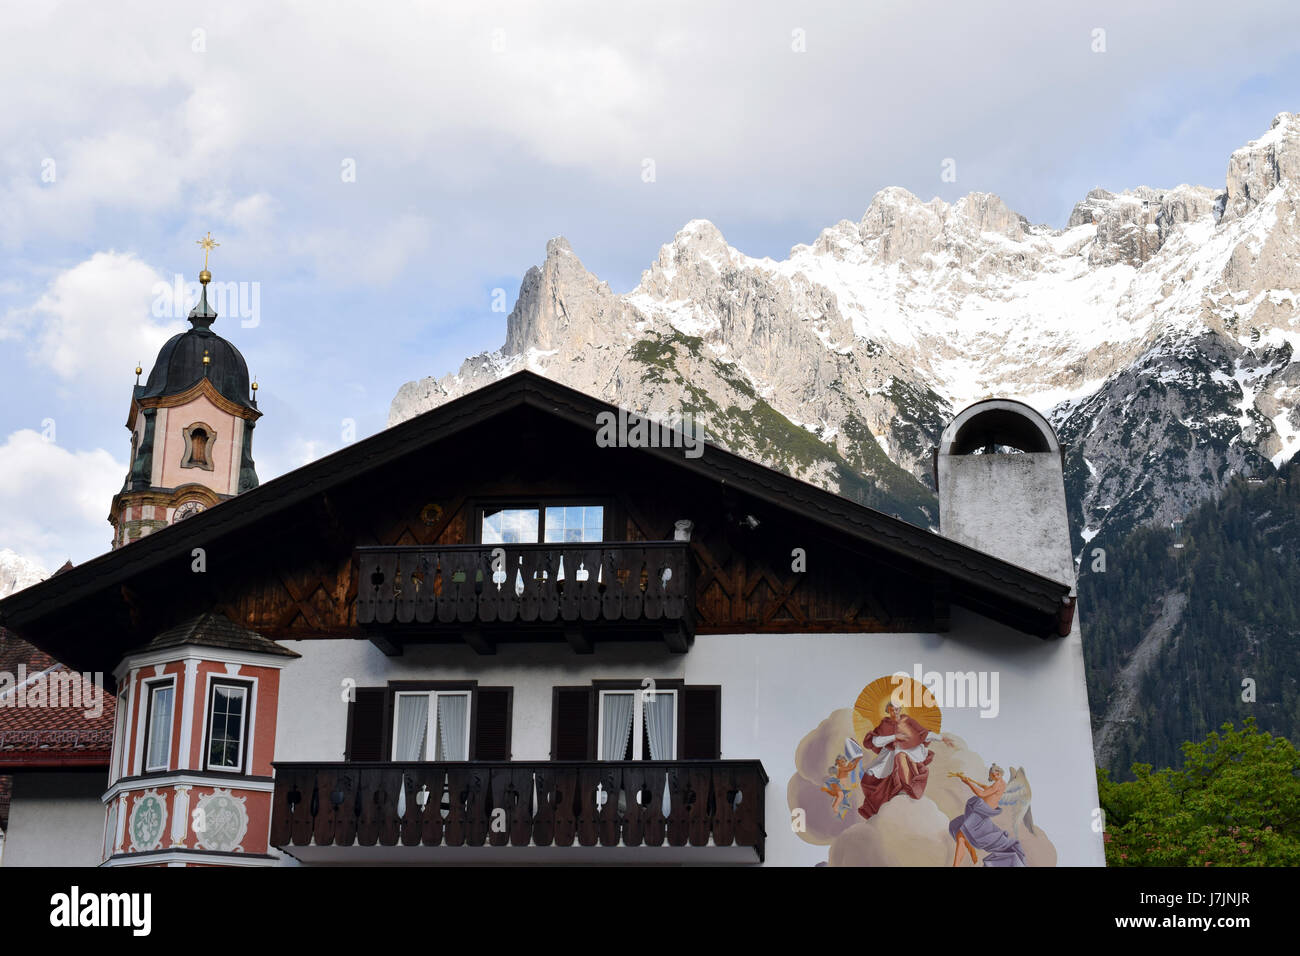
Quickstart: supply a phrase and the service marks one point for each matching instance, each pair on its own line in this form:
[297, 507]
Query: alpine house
[483, 635]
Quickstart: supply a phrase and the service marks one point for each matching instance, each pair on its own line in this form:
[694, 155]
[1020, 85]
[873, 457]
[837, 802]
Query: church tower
[191, 426]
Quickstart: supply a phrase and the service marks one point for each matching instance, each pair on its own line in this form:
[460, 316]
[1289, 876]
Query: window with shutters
[623, 720]
[439, 721]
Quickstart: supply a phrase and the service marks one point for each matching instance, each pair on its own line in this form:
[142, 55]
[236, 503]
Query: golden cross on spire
[208, 244]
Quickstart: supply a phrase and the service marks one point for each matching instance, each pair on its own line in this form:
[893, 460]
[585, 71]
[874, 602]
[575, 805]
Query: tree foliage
[1235, 801]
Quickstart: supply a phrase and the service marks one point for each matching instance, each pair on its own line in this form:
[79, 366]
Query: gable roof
[980, 581]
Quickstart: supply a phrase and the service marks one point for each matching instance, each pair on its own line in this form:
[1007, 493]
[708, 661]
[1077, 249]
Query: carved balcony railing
[693, 803]
[564, 584]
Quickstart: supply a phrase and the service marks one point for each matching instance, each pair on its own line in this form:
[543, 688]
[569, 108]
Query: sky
[379, 175]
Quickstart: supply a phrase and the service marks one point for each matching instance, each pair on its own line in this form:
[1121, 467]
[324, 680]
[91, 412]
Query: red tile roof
[45, 735]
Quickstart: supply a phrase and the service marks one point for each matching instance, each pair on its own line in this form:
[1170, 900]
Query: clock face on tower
[186, 509]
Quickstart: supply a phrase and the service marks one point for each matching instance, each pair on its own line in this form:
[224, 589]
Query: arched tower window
[199, 439]
[199, 446]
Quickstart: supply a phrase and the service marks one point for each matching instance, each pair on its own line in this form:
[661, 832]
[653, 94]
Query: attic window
[554, 523]
[199, 439]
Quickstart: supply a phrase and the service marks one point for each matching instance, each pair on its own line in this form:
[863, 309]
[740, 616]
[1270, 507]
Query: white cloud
[427, 98]
[54, 502]
[375, 255]
[93, 323]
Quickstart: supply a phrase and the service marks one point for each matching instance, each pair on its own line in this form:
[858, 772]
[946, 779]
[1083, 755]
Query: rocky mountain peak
[899, 227]
[697, 254]
[1263, 164]
[560, 304]
[1158, 331]
[985, 212]
[1133, 225]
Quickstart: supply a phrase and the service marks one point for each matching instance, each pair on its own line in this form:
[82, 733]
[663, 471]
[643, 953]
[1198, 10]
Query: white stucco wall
[776, 690]
[56, 819]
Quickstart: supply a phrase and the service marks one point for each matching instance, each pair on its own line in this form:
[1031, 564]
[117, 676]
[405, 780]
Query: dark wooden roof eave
[975, 568]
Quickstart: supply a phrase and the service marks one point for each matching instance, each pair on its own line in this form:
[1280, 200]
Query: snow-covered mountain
[1158, 329]
[17, 572]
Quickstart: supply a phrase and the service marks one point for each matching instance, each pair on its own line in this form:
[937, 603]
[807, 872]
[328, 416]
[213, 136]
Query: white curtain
[160, 728]
[412, 726]
[453, 723]
[659, 725]
[616, 725]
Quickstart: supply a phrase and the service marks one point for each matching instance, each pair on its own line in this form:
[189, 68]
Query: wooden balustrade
[562, 584]
[566, 803]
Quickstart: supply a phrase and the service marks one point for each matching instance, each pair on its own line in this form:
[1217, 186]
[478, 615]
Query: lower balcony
[694, 811]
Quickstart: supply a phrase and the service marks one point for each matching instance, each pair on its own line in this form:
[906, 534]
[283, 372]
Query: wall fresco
[882, 784]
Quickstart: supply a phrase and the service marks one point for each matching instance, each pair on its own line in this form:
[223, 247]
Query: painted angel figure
[843, 775]
[975, 829]
[1016, 801]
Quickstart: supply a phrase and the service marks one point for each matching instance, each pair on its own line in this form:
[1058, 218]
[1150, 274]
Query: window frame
[121, 719]
[431, 689]
[152, 686]
[689, 729]
[638, 729]
[249, 686]
[600, 688]
[540, 505]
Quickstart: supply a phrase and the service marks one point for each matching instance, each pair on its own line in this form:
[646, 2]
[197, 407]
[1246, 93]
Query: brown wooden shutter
[701, 723]
[572, 727]
[366, 715]
[492, 723]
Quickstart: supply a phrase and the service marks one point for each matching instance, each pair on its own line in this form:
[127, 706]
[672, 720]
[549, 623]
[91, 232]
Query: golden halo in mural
[916, 700]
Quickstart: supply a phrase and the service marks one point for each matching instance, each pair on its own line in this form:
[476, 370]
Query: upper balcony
[706, 811]
[484, 590]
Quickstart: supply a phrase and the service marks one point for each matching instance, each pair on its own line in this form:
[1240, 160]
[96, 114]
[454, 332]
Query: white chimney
[1007, 503]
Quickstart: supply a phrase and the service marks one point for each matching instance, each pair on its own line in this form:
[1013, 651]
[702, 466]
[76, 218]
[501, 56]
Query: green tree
[1234, 802]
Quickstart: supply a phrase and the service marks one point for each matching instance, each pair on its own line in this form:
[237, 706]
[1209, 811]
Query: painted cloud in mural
[906, 831]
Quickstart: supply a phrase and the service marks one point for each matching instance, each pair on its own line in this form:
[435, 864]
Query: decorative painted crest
[220, 821]
[148, 820]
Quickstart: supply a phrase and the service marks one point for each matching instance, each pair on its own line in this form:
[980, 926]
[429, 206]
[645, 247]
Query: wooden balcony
[481, 591]
[705, 811]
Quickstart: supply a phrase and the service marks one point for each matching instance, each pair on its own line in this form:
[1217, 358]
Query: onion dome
[196, 354]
